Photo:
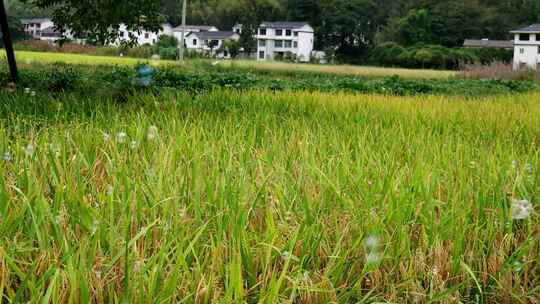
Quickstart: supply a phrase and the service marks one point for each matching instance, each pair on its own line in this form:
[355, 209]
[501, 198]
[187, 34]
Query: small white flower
[26, 90]
[133, 145]
[7, 156]
[98, 274]
[152, 133]
[121, 137]
[106, 136]
[29, 150]
[529, 168]
[33, 93]
[521, 209]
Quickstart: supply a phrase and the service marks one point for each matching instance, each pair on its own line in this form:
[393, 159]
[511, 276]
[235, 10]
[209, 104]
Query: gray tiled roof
[284, 24]
[213, 35]
[50, 32]
[533, 28]
[35, 20]
[477, 43]
[198, 27]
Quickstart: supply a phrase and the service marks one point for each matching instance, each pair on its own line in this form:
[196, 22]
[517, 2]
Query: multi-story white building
[527, 47]
[276, 40]
[34, 26]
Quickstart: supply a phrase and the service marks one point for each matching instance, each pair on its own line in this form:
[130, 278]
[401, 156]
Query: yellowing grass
[43, 57]
[366, 71]
[344, 69]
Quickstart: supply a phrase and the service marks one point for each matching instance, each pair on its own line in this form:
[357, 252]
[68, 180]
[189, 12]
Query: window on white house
[278, 43]
[122, 34]
[279, 32]
[524, 37]
[295, 44]
[194, 41]
[288, 32]
[262, 32]
[261, 55]
[146, 35]
[522, 51]
[38, 25]
[262, 43]
[295, 34]
[288, 43]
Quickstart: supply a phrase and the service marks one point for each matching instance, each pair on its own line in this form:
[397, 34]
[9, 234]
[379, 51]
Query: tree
[16, 30]
[100, 20]
[212, 45]
[232, 47]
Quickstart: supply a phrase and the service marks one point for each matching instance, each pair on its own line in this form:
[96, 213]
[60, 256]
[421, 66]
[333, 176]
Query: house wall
[305, 46]
[526, 53]
[34, 29]
[299, 43]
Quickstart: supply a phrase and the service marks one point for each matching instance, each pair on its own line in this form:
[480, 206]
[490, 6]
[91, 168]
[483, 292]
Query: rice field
[268, 197]
[351, 70]
[26, 57]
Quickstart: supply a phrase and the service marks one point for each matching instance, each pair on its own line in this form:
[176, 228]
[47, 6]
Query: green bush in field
[122, 81]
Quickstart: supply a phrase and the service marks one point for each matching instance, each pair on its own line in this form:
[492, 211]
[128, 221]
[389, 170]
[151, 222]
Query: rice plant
[265, 197]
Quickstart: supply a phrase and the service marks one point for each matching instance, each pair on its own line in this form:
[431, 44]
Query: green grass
[261, 197]
[364, 71]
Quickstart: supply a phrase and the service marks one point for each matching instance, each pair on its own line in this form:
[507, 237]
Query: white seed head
[373, 257]
[521, 209]
[152, 133]
[371, 242]
[29, 150]
[133, 145]
[121, 137]
[110, 190]
[106, 136]
[7, 156]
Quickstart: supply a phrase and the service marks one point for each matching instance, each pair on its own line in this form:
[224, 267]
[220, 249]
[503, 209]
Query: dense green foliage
[435, 57]
[124, 80]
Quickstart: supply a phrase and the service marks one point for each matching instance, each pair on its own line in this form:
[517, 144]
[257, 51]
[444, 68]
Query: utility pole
[182, 36]
[8, 44]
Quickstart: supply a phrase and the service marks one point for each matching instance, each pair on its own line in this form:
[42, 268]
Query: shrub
[434, 56]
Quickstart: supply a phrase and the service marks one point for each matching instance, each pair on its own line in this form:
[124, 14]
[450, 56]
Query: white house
[34, 26]
[177, 31]
[527, 47]
[277, 40]
[210, 41]
[145, 37]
